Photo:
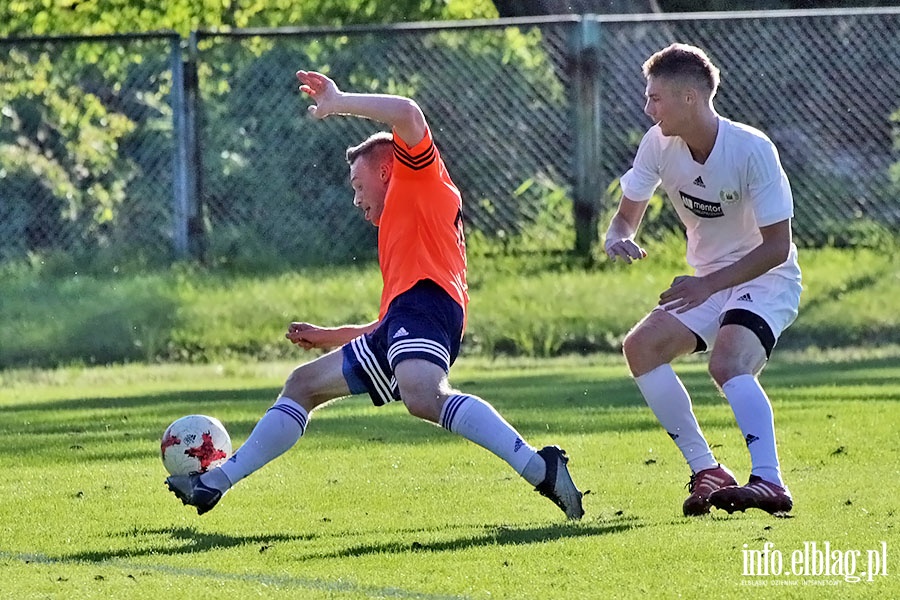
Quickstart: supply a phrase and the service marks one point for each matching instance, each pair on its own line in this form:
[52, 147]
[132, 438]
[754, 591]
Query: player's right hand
[624, 248]
[321, 89]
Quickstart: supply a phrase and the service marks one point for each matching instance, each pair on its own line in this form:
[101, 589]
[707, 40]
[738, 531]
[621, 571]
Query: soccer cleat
[190, 490]
[558, 484]
[758, 493]
[701, 485]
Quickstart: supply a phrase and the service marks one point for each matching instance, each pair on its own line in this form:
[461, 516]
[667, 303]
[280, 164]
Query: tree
[516, 8]
[530, 8]
[85, 126]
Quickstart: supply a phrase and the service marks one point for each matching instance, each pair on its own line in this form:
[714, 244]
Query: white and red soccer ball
[194, 444]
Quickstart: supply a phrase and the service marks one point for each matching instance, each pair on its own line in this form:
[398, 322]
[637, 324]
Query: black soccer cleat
[191, 491]
[558, 484]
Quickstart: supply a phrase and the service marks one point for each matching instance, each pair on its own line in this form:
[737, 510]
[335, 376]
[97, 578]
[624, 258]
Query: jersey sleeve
[769, 189]
[416, 161]
[642, 179]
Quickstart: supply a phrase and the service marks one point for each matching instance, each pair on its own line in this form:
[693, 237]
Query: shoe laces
[696, 480]
[693, 482]
[690, 484]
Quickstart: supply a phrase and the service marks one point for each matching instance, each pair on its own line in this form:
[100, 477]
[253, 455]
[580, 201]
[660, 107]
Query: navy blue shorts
[423, 322]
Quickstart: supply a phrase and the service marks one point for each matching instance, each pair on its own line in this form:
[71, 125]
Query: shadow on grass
[494, 536]
[191, 541]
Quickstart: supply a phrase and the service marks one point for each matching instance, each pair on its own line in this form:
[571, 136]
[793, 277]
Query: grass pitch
[375, 504]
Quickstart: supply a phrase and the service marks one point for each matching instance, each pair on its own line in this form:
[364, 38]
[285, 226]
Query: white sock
[753, 413]
[274, 434]
[477, 421]
[670, 402]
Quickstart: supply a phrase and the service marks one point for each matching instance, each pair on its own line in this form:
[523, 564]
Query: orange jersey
[420, 234]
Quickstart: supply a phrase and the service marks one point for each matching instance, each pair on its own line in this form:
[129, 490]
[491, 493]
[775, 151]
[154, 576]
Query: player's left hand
[307, 335]
[685, 293]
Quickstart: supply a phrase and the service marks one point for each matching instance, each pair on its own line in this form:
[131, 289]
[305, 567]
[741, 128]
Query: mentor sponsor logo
[700, 207]
[815, 563]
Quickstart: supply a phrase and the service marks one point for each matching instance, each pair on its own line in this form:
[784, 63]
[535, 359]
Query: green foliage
[70, 141]
[549, 232]
[83, 125]
[894, 170]
[101, 17]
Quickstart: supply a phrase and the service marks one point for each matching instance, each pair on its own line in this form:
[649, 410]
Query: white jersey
[723, 202]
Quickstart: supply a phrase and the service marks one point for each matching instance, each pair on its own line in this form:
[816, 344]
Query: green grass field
[375, 504]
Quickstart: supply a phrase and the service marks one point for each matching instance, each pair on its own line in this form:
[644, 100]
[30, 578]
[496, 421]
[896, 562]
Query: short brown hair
[684, 62]
[380, 143]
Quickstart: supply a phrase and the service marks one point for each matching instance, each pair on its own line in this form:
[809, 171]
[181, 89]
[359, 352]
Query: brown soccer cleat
[758, 493]
[703, 484]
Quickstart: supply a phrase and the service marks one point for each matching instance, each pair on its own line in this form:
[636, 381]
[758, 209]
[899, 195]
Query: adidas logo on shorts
[745, 298]
[400, 333]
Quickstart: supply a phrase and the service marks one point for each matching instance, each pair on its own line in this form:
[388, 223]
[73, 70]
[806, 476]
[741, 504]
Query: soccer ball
[194, 444]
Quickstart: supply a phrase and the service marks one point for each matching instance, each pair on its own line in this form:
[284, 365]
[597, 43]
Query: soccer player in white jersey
[727, 185]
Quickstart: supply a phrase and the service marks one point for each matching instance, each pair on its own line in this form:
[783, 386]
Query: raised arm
[401, 113]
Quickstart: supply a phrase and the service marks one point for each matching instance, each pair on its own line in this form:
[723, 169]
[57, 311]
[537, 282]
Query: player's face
[667, 105]
[369, 180]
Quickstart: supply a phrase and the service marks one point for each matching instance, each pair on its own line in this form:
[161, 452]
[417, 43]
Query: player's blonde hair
[682, 61]
[380, 145]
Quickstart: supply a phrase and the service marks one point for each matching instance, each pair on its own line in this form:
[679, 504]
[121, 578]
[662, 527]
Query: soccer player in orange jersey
[401, 185]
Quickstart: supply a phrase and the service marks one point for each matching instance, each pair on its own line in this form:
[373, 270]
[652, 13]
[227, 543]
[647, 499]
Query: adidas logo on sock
[518, 445]
[674, 436]
[699, 182]
[400, 333]
[750, 438]
[745, 298]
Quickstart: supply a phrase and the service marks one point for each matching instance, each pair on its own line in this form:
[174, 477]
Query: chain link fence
[146, 148]
[86, 149]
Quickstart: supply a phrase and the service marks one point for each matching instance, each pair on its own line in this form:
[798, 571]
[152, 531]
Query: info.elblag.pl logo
[816, 563]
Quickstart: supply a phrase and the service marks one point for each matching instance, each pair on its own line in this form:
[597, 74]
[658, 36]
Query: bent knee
[424, 404]
[724, 367]
[421, 409]
[301, 388]
[645, 351]
[655, 341]
[634, 345]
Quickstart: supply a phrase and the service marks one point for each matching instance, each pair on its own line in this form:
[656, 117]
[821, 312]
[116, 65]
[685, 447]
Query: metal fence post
[180, 181]
[586, 82]
[196, 227]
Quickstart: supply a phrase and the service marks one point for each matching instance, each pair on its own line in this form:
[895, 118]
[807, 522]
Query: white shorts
[774, 298]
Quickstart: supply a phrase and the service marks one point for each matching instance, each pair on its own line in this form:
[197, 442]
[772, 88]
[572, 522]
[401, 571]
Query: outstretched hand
[321, 89]
[309, 336]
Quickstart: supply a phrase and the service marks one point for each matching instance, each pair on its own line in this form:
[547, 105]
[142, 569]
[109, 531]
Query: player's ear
[385, 171]
[690, 95]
